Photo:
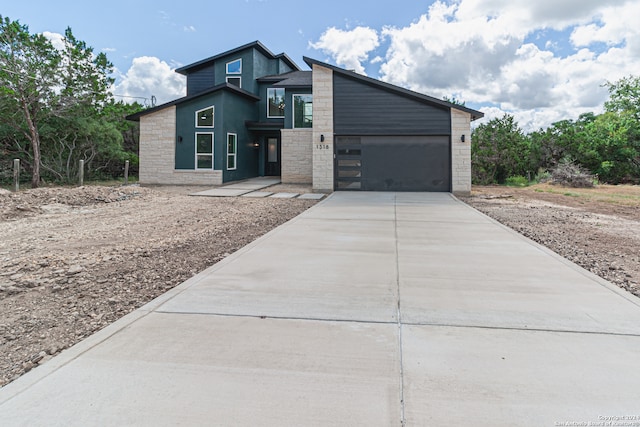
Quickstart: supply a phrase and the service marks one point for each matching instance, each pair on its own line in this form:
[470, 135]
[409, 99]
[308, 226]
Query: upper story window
[236, 81]
[303, 111]
[234, 70]
[234, 67]
[204, 118]
[275, 102]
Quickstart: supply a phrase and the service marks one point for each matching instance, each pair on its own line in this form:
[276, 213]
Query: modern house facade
[248, 113]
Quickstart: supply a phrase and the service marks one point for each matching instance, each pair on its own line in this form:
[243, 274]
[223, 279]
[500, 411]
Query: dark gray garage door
[393, 163]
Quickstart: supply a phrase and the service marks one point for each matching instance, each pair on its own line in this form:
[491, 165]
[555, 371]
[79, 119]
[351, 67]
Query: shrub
[542, 176]
[572, 175]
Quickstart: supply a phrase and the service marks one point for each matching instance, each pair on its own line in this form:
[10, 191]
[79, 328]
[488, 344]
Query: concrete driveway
[371, 309]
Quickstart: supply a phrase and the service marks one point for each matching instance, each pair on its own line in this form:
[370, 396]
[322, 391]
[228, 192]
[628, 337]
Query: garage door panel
[393, 163]
[405, 163]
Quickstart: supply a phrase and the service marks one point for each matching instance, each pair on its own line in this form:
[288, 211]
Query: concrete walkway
[371, 309]
[240, 188]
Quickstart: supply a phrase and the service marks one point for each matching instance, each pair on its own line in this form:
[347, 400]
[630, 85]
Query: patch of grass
[628, 195]
[517, 181]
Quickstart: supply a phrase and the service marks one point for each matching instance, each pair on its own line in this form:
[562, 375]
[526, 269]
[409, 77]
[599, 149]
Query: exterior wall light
[462, 138]
[321, 138]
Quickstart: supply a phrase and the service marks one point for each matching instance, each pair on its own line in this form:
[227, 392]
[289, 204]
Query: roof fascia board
[224, 86]
[255, 44]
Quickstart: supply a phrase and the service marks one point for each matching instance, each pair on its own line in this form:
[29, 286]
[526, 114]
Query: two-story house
[248, 112]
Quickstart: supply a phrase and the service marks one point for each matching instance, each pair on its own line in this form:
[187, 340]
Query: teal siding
[231, 111]
[263, 66]
[283, 67]
[186, 129]
[248, 83]
[236, 110]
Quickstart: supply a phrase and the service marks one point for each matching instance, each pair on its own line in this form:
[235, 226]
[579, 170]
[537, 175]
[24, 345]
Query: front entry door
[272, 167]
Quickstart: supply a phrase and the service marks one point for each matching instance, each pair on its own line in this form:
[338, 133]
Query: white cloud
[150, 76]
[56, 39]
[108, 49]
[479, 52]
[348, 48]
[189, 29]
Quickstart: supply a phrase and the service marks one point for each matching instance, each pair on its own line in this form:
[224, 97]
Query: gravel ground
[598, 229]
[73, 260]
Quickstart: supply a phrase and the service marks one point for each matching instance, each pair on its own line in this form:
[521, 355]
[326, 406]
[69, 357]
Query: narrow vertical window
[232, 151]
[275, 102]
[303, 111]
[204, 150]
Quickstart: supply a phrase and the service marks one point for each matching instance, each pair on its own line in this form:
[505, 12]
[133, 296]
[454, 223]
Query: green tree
[66, 108]
[559, 141]
[624, 96]
[29, 76]
[611, 147]
[499, 149]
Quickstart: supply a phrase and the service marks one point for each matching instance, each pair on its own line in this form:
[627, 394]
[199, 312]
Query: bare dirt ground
[73, 260]
[597, 228]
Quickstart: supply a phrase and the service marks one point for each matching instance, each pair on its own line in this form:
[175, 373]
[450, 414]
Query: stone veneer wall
[297, 151]
[322, 125]
[460, 152]
[157, 153]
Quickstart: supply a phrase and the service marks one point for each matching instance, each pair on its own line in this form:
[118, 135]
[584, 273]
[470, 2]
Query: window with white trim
[204, 117]
[234, 67]
[303, 111]
[233, 80]
[204, 150]
[232, 151]
[275, 102]
[234, 72]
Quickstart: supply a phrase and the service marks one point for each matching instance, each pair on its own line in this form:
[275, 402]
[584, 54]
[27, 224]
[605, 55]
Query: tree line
[607, 145]
[56, 108]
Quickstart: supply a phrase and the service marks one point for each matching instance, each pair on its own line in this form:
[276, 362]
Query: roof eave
[224, 86]
[254, 44]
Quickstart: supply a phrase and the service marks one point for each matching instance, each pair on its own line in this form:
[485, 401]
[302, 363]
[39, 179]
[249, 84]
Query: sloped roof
[224, 86]
[393, 88]
[292, 79]
[256, 45]
[296, 79]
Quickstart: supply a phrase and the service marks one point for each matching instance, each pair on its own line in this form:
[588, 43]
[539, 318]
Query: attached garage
[387, 138]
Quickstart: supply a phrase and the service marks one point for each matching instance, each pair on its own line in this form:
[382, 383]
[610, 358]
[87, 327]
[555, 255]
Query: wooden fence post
[81, 173]
[16, 174]
[126, 172]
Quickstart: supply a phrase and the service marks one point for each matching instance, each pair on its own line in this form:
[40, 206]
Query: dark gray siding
[200, 80]
[363, 109]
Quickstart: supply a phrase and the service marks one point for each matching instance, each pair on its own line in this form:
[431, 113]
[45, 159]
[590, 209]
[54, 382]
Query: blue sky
[541, 61]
